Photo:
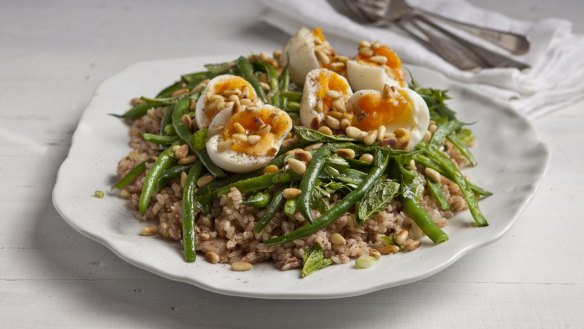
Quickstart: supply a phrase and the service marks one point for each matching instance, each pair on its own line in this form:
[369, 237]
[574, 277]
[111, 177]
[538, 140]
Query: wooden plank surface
[53, 55]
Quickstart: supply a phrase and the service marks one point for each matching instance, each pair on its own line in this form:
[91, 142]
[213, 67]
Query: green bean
[197, 144]
[254, 184]
[284, 82]
[290, 207]
[195, 78]
[188, 211]
[359, 165]
[294, 96]
[293, 107]
[131, 176]
[217, 183]
[273, 207]
[171, 173]
[162, 101]
[459, 179]
[444, 130]
[159, 139]
[136, 112]
[429, 163]
[308, 181]
[181, 108]
[166, 120]
[165, 160]
[273, 81]
[459, 145]
[380, 163]
[260, 200]
[170, 89]
[246, 71]
[436, 193]
[421, 218]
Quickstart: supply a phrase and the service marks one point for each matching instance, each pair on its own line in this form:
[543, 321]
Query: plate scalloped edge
[242, 284]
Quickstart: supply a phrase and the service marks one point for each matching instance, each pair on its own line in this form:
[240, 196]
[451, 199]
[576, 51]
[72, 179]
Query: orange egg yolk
[220, 87]
[374, 110]
[317, 33]
[393, 62]
[252, 121]
[328, 81]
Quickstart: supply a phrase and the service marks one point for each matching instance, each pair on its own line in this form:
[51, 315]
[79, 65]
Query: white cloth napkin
[556, 55]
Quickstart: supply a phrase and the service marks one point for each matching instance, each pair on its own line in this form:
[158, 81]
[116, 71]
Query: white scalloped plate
[511, 170]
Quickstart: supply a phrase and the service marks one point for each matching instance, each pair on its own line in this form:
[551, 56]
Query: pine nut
[375, 45]
[187, 160]
[233, 98]
[346, 153]
[297, 166]
[345, 123]
[181, 152]
[370, 138]
[125, 194]
[403, 142]
[335, 114]
[433, 175]
[239, 137]
[264, 129]
[212, 257]
[386, 250]
[246, 102]
[432, 128]
[313, 147]
[333, 123]
[399, 132]
[365, 43]
[353, 132]
[224, 145]
[333, 94]
[245, 92]
[238, 128]
[149, 230]
[302, 155]
[271, 169]
[187, 120]
[337, 66]
[253, 139]
[338, 240]
[339, 104]
[322, 57]
[180, 92]
[276, 54]
[204, 180]
[412, 244]
[401, 237]
[427, 136]
[325, 130]
[379, 59]
[183, 179]
[241, 266]
[216, 98]
[232, 92]
[291, 193]
[320, 106]
[342, 59]
[381, 132]
[265, 86]
[366, 157]
[288, 142]
[374, 253]
[367, 52]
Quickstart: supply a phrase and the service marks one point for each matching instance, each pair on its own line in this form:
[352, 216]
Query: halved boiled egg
[374, 67]
[222, 92]
[324, 99]
[247, 140]
[308, 50]
[396, 117]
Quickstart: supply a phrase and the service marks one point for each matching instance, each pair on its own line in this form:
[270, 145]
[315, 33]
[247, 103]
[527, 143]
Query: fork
[463, 54]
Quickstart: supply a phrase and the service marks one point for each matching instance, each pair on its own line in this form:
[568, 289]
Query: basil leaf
[376, 199]
[312, 136]
[314, 260]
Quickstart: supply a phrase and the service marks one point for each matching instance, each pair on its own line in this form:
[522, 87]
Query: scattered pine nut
[291, 193]
[241, 266]
[149, 230]
[204, 180]
[212, 257]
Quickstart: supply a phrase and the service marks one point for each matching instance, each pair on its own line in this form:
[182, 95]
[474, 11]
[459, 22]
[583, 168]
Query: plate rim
[533, 187]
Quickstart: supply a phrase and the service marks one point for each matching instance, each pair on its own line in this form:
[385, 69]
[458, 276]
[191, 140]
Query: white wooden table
[53, 55]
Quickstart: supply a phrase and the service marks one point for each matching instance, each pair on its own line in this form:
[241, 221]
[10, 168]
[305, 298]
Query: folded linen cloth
[556, 55]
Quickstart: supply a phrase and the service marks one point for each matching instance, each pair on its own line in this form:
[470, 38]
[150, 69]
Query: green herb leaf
[312, 136]
[376, 199]
[314, 260]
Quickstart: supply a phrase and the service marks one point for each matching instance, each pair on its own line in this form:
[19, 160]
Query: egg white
[416, 124]
[200, 117]
[231, 160]
[364, 76]
[308, 110]
[299, 55]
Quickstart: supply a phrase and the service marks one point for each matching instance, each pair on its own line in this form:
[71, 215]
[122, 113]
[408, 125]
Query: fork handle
[515, 43]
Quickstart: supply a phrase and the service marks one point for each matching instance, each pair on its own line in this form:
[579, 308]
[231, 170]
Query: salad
[305, 158]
